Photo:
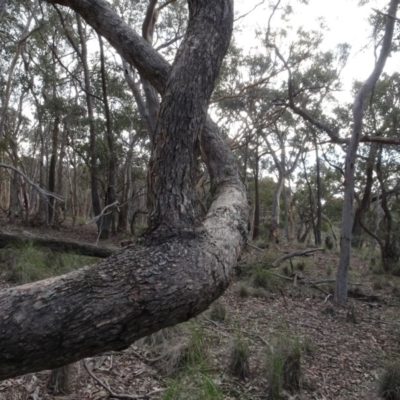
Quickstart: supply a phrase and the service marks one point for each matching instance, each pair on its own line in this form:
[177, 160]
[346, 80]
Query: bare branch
[43, 192]
[249, 12]
[245, 88]
[168, 2]
[386, 15]
[166, 44]
[280, 260]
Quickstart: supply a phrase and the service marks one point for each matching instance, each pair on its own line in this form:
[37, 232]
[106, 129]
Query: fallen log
[61, 246]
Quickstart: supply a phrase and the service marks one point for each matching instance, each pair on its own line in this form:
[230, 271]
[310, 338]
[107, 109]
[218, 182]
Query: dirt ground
[344, 350]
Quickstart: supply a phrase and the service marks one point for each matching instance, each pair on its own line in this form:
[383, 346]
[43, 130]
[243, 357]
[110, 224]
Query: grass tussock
[27, 263]
[389, 383]
[218, 312]
[184, 351]
[263, 278]
[284, 369]
[239, 360]
[193, 385]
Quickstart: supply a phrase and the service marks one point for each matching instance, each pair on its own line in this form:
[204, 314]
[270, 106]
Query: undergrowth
[27, 263]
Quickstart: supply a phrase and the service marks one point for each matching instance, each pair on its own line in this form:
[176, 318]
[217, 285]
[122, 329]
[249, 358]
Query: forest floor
[343, 351]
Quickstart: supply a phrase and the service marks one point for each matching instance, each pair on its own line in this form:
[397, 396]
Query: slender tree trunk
[358, 115]
[60, 180]
[366, 199]
[256, 219]
[126, 206]
[112, 159]
[318, 239]
[93, 147]
[52, 170]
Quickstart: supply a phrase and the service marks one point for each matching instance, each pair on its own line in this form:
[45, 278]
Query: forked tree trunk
[173, 274]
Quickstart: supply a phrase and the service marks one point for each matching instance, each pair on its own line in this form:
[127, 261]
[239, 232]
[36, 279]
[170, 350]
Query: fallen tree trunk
[60, 246]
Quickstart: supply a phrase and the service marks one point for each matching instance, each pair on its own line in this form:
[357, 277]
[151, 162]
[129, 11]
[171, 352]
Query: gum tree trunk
[358, 115]
[172, 274]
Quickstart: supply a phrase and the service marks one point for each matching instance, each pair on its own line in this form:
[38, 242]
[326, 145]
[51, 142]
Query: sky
[346, 22]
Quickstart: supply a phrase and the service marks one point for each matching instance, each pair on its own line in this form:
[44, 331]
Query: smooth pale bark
[358, 115]
[163, 280]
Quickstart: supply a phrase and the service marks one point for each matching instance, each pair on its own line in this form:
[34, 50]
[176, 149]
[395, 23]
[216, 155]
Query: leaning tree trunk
[166, 278]
[358, 115]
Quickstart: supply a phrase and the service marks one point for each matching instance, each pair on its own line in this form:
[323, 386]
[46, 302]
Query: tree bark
[358, 115]
[164, 279]
[256, 219]
[366, 199]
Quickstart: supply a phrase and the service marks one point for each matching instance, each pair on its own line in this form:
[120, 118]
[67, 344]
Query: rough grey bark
[358, 115]
[152, 100]
[163, 279]
[171, 191]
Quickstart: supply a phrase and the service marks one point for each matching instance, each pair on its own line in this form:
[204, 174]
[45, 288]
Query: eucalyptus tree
[321, 85]
[177, 270]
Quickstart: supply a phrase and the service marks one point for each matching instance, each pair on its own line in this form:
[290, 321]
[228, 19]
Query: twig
[386, 15]
[45, 193]
[97, 217]
[246, 14]
[306, 325]
[145, 359]
[279, 261]
[115, 395]
[254, 247]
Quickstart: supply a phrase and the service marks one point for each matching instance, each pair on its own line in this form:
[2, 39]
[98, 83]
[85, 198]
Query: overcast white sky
[345, 20]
